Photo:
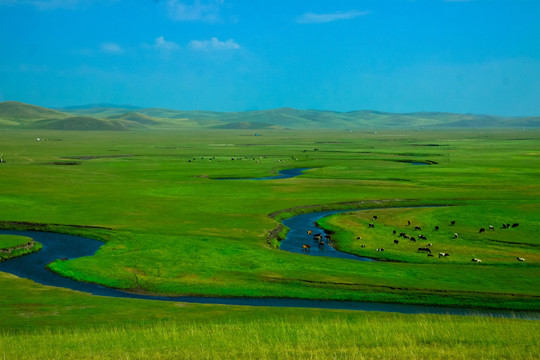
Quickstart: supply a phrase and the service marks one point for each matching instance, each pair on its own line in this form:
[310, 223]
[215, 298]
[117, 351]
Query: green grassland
[13, 245]
[170, 228]
[10, 241]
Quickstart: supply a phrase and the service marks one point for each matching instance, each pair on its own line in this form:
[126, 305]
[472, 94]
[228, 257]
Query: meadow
[170, 228]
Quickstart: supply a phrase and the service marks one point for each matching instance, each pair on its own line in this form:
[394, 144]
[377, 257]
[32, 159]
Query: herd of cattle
[318, 239]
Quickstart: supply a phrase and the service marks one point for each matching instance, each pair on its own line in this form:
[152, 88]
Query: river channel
[62, 246]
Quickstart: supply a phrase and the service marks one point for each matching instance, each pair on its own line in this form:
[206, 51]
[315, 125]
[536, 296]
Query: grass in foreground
[336, 335]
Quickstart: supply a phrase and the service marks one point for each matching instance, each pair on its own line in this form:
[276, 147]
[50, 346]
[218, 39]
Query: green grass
[10, 241]
[310, 336]
[9, 246]
[169, 228]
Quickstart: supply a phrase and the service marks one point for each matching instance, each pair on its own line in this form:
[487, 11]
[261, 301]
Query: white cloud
[312, 18]
[111, 48]
[52, 4]
[214, 44]
[162, 44]
[207, 12]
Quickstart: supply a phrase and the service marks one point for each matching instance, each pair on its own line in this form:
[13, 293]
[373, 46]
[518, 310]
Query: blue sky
[475, 56]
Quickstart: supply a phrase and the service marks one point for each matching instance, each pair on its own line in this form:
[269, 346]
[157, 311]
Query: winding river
[62, 246]
[57, 246]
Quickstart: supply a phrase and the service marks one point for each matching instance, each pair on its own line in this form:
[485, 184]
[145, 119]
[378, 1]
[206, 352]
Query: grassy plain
[175, 230]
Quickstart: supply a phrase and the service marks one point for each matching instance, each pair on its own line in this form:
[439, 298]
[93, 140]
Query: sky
[462, 56]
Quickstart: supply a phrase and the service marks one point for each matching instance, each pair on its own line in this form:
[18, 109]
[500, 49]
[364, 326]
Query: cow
[371, 225]
[408, 222]
[321, 244]
[504, 226]
[430, 255]
[430, 244]
[436, 228]
[453, 222]
[441, 254]
[394, 232]
[476, 260]
[309, 232]
[426, 249]
[520, 259]
[396, 241]
[491, 227]
[515, 225]
[417, 227]
[380, 249]
[362, 246]
[422, 237]
[306, 247]
[412, 239]
[374, 217]
[456, 235]
[481, 230]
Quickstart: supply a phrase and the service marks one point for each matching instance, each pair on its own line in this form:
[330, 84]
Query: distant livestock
[441, 254]
[371, 225]
[306, 247]
[417, 227]
[491, 227]
[453, 222]
[520, 259]
[380, 249]
[456, 235]
[481, 230]
[426, 249]
[476, 260]
[515, 225]
[437, 228]
[396, 241]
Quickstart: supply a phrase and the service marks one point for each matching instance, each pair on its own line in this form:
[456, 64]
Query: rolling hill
[120, 117]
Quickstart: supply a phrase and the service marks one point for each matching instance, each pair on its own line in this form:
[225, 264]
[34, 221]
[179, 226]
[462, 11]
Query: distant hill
[119, 117]
[99, 106]
[136, 117]
[247, 125]
[79, 123]
[14, 113]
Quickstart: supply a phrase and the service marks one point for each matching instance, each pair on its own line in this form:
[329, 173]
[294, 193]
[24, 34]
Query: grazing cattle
[306, 247]
[441, 254]
[309, 232]
[417, 227]
[481, 230]
[371, 225]
[430, 255]
[358, 237]
[380, 249]
[394, 232]
[406, 236]
[374, 217]
[426, 249]
[362, 246]
[396, 241]
[515, 225]
[476, 260]
[412, 239]
[408, 222]
[430, 244]
[456, 235]
[520, 259]
[402, 234]
[453, 222]
[437, 228]
[422, 237]
[491, 227]
[321, 244]
[504, 226]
